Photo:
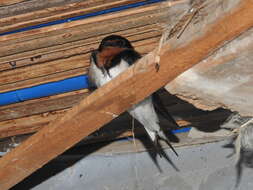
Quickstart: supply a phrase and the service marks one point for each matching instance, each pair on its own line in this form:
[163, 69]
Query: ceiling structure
[45, 43]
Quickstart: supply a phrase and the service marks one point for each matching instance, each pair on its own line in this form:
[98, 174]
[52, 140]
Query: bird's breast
[102, 78]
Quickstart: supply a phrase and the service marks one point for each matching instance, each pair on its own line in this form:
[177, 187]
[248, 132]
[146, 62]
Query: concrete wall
[202, 167]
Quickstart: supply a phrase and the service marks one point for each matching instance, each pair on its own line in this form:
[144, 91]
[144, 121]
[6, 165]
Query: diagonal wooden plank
[9, 2]
[127, 89]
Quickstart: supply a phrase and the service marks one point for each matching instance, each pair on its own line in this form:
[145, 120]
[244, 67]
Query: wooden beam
[28, 124]
[66, 34]
[59, 69]
[42, 105]
[65, 28]
[9, 2]
[21, 6]
[66, 56]
[127, 89]
[57, 13]
[80, 47]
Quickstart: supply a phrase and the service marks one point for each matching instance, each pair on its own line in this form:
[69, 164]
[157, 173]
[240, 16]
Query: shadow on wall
[179, 109]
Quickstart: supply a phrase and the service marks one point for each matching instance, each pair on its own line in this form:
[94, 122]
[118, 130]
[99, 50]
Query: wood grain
[42, 105]
[93, 22]
[59, 69]
[57, 13]
[9, 2]
[66, 36]
[29, 124]
[64, 51]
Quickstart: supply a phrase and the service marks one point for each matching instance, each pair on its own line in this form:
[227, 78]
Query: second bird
[113, 56]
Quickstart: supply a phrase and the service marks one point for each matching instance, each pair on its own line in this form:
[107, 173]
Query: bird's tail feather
[156, 136]
[160, 135]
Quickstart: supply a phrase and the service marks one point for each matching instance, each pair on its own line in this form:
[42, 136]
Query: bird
[114, 55]
[241, 142]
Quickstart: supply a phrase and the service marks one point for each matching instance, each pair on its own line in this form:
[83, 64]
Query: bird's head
[114, 41]
[109, 47]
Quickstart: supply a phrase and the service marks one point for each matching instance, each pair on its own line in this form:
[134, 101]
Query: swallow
[241, 142]
[114, 55]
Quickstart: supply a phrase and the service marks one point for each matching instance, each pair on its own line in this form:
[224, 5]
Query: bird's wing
[129, 55]
[161, 109]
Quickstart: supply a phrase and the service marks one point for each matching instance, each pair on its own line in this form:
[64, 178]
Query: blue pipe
[48, 89]
[102, 12]
[182, 130]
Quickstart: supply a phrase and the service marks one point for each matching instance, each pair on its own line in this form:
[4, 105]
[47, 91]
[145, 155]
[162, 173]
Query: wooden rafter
[57, 13]
[127, 89]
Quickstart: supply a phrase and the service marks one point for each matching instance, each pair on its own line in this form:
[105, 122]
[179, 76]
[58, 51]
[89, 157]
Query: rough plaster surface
[224, 79]
[202, 167]
[195, 133]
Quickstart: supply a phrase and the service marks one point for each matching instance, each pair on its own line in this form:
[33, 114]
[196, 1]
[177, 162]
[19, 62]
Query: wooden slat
[9, 2]
[42, 105]
[128, 88]
[28, 124]
[52, 30]
[59, 69]
[48, 68]
[57, 13]
[83, 29]
[44, 79]
[25, 6]
[80, 47]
